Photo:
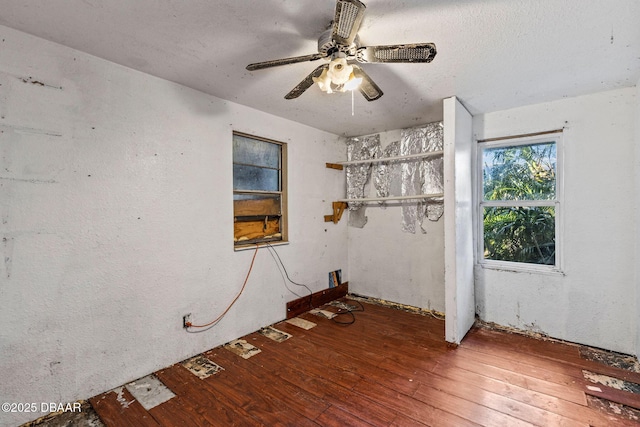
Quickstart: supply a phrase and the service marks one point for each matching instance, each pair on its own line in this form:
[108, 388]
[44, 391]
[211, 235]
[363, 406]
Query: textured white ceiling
[492, 54]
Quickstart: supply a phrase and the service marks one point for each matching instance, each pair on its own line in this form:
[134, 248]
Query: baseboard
[315, 300]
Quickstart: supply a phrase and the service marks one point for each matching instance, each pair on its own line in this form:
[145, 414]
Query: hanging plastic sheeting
[421, 176]
[360, 148]
[387, 177]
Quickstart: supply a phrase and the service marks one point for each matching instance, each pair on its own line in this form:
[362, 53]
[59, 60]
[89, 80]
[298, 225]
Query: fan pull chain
[353, 110]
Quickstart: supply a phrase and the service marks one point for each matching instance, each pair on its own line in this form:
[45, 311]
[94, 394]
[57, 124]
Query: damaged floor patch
[610, 358]
[342, 305]
[397, 306]
[611, 382]
[242, 348]
[85, 417]
[301, 323]
[614, 408]
[201, 367]
[323, 313]
[120, 397]
[274, 334]
[149, 391]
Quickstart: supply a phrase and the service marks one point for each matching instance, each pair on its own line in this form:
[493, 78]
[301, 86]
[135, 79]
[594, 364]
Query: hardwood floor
[389, 368]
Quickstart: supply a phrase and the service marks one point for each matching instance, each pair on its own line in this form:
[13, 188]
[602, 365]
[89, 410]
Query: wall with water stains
[593, 300]
[116, 220]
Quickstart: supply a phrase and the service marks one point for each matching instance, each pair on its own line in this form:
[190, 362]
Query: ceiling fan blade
[285, 61]
[368, 88]
[347, 21]
[306, 83]
[419, 52]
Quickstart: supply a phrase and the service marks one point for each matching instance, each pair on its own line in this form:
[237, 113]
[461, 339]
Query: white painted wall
[458, 220]
[385, 262]
[116, 210]
[637, 218]
[594, 301]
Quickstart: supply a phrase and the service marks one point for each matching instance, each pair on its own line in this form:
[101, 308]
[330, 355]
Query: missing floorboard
[120, 397]
[613, 408]
[274, 334]
[301, 323]
[201, 367]
[397, 306]
[242, 348]
[610, 358]
[149, 391]
[323, 313]
[86, 417]
[342, 305]
[612, 382]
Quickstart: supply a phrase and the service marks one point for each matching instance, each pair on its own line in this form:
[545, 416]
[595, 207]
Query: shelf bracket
[338, 210]
[335, 166]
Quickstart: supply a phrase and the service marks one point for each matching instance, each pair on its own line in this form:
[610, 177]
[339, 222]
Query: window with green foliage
[519, 201]
[259, 190]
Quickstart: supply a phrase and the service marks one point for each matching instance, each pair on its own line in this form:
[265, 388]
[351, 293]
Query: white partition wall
[637, 218]
[458, 221]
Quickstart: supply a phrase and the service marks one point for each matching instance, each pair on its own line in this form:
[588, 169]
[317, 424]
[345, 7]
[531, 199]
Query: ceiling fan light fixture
[339, 71]
[338, 76]
[324, 81]
[353, 83]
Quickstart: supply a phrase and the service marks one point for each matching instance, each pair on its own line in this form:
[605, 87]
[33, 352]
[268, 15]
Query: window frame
[558, 202]
[282, 192]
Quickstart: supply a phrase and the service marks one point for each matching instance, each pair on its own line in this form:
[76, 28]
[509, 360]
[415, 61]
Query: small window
[259, 190]
[519, 201]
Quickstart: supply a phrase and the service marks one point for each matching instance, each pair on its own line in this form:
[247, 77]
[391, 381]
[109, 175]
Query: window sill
[248, 247]
[515, 267]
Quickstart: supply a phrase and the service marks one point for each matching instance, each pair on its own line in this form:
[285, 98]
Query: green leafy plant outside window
[518, 206]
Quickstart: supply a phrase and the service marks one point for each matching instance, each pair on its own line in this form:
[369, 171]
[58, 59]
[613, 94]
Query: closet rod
[394, 198]
[386, 159]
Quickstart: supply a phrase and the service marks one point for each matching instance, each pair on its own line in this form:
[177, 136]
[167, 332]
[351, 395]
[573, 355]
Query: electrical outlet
[186, 319]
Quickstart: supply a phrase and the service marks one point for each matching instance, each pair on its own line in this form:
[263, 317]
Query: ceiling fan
[340, 44]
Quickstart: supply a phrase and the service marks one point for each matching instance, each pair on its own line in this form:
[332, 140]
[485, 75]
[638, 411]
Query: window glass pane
[523, 172]
[250, 151]
[255, 178]
[520, 234]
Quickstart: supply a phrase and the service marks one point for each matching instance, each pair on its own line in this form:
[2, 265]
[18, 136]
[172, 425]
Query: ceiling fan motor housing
[328, 46]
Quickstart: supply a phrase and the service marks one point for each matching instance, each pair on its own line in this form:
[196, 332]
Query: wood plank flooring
[389, 368]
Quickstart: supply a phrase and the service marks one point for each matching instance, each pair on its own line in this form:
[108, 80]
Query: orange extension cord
[217, 319]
